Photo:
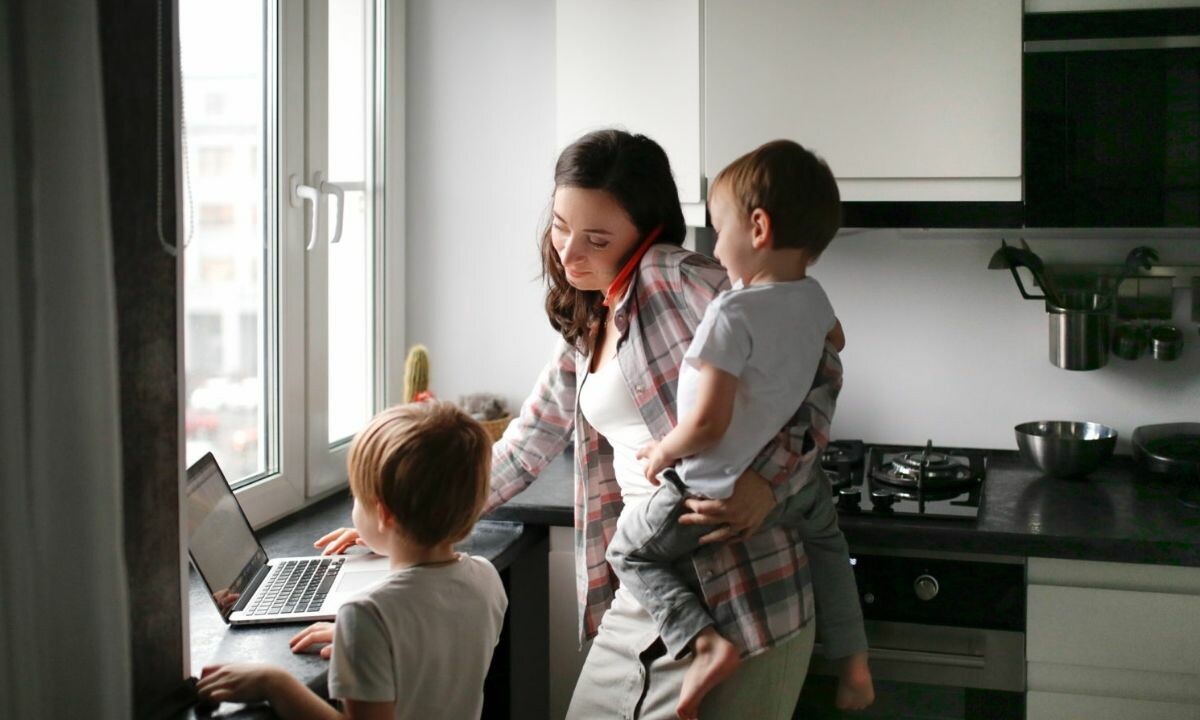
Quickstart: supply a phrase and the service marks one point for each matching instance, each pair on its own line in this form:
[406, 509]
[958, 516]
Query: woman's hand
[656, 460]
[236, 682]
[320, 633]
[738, 516]
[338, 541]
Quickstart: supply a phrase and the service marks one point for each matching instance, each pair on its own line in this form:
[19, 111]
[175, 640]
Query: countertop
[1117, 514]
[212, 641]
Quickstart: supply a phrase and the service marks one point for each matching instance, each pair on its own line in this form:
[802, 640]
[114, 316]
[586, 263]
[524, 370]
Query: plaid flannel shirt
[758, 590]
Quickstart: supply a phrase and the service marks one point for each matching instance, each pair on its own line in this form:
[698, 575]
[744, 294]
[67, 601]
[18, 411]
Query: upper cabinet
[635, 65]
[906, 101]
[915, 104]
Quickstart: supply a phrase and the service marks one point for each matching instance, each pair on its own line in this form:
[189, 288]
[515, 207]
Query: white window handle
[312, 194]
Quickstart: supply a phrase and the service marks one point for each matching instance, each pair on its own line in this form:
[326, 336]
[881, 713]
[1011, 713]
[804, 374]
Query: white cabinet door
[635, 65]
[905, 99]
[566, 657]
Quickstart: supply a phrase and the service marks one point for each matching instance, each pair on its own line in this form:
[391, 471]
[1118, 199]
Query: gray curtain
[64, 608]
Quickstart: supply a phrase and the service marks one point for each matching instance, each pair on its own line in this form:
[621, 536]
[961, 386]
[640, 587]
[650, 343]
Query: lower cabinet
[1112, 640]
[566, 658]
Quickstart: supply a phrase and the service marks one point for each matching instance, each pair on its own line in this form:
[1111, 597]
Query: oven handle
[974, 662]
[971, 662]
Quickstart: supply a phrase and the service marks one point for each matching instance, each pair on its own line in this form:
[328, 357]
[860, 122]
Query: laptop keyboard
[295, 586]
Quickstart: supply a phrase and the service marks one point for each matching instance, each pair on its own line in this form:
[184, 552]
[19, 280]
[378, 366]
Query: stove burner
[842, 462]
[923, 482]
[930, 469]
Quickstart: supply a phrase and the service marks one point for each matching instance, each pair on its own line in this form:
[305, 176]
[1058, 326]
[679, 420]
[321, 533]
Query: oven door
[928, 672]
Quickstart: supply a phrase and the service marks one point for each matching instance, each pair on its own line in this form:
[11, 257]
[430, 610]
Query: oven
[946, 634]
[946, 630]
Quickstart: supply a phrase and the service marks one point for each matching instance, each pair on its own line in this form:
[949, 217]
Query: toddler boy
[750, 365]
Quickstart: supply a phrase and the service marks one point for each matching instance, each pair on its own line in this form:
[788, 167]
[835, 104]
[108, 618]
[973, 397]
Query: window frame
[307, 468]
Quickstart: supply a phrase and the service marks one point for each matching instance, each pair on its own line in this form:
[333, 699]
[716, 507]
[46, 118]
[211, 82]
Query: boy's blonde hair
[795, 188]
[427, 462]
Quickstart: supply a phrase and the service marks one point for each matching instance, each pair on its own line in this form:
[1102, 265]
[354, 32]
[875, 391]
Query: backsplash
[940, 347]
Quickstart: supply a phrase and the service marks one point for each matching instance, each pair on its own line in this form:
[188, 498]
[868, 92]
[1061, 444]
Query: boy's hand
[338, 541]
[656, 460]
[237, 682]
[319, 633]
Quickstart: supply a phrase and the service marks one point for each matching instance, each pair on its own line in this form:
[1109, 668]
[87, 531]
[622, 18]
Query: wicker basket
[495, 428]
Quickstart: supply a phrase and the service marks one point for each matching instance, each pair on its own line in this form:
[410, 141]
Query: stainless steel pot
[1079, 330]
[1166, 342]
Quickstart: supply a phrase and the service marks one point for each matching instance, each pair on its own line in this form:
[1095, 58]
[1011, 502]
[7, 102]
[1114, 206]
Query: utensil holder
[1079, 330]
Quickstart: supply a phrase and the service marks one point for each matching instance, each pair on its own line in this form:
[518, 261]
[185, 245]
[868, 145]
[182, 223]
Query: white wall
[939, 346]
[480, 170]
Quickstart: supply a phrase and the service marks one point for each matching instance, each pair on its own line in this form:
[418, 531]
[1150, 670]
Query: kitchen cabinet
[1112, 640]
[634, 65]
[566, 657]
[906, 101]
[915, 105]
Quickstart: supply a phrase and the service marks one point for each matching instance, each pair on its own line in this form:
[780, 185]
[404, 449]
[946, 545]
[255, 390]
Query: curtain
[64, 604]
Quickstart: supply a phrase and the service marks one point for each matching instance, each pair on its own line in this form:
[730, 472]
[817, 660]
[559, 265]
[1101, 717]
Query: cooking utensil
[1062, 448]
[1172, 449]
[1079, 330]
[1129, 341]
[1014, 257]
[1166, 342]
[1140, 258]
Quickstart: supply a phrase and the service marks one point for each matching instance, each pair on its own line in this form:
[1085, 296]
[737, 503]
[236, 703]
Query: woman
[626, 299]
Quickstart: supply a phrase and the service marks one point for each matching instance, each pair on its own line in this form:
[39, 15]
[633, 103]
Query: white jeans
[628, 674]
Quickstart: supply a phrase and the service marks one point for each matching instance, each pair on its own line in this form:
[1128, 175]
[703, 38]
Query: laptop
[248, 587]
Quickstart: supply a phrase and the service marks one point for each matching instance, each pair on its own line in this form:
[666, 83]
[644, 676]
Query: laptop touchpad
[352, 582]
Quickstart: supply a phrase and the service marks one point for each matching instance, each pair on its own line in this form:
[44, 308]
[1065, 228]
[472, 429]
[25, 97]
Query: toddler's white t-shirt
[771, 337]
[422, 639]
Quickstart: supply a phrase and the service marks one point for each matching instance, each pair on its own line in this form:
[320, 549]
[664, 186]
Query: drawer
[1062, 706]
[1127, 629]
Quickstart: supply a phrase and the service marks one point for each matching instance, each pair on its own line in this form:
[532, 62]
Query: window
[216, 215]
[215, 161]
[285, 343]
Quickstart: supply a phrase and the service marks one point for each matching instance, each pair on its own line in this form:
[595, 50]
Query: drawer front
[1148, 631]
[1061, 706]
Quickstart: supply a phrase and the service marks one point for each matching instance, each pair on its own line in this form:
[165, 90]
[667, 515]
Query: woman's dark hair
[634, 170]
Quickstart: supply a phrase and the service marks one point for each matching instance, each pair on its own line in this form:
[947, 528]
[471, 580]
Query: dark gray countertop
[212, 641]
[1118, 514]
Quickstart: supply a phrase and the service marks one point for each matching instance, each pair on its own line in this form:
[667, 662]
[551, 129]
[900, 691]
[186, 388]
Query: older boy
[752, 361]
[419, 644]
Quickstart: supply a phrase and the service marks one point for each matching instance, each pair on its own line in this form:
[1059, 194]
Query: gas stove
[906, 481]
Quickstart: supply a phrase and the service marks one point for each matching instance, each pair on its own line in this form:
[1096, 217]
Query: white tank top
[608, 406]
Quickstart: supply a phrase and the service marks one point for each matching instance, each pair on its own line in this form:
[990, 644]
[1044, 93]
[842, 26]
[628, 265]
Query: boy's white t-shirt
[423, 639]
[771, 337]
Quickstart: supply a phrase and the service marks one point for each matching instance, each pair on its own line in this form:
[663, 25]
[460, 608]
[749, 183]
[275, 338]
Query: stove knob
[926, 587]
[849, 498]
[882, 499]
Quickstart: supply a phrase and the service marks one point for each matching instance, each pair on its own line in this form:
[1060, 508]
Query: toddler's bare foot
[855, 689]
[714, 659]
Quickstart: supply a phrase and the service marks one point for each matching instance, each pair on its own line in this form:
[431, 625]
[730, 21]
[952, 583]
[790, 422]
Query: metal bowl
[1061, 448]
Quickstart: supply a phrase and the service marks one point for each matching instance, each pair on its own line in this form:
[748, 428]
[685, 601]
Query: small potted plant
[416, 375]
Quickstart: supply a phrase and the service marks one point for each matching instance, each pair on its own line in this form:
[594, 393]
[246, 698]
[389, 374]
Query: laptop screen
[222, 545]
